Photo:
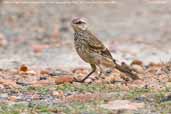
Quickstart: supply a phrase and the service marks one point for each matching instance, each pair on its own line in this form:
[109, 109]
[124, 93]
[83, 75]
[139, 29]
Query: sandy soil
[40, 36]
[130, 29]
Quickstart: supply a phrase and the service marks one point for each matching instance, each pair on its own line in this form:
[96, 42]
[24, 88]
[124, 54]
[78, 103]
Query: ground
[38, 60]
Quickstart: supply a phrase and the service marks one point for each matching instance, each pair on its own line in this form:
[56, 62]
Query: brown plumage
[92, 51]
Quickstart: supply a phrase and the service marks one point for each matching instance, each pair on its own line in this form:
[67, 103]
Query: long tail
[126, 69]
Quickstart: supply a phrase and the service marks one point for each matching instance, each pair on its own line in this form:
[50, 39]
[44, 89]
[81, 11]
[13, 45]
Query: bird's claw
[80, 81]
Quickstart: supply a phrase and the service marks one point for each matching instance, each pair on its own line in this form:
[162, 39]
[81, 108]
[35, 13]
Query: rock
[36, 97]
[9, 83]
[58, 93]
[80, 71]
[43, 78]
[141, 99]
[76, 84]
[122, 105]
[64, 79]
[2, 86]
[137, 62]
[88, 80]
[57, 72]
[4, 95]
[44, 72]
[166, 99]
[22, 83]
[13, 98]
[41, 83]
[138, 68]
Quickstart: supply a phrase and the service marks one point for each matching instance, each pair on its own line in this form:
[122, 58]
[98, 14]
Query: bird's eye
[79, 22]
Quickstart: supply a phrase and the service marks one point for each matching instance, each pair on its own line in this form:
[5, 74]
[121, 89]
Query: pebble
[4, 95]
[13, 98]
[138, 68]
[58, 93]
[43, 78]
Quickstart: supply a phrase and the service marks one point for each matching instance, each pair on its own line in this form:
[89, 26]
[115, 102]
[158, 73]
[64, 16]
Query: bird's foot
[80, 81]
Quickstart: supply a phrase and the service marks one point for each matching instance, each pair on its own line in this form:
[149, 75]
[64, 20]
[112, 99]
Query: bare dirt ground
[40, 36]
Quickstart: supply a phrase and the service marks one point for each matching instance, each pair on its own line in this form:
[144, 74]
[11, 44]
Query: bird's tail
[126, 69]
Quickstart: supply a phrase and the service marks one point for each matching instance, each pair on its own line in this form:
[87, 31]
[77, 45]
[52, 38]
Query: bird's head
[79, 24]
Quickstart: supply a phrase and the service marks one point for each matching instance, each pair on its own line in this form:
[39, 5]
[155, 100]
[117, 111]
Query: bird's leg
[99, 73]
[93, 66]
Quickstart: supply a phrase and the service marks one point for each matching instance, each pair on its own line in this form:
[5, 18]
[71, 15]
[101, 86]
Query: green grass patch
[85, 88]
[132, 94]
[39, 90]
[70, 108]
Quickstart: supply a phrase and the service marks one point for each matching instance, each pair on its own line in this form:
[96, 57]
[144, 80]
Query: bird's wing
[97, 46]
[93, 41]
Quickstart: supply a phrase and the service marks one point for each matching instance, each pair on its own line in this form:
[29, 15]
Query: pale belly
[84, 52]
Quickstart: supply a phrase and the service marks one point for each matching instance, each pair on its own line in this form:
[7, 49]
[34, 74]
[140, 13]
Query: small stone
[13, 98]
[36, 97]
[2, 86]
[41, 83]
[166, 99]
[43, 78]
[57, 72]
[64, 79]
[122, 105]
[22, 83]
[44, 72]
[76, 84]
[169, 79]
[138, 68]
[98, 81]
[58, 93]
[4, 95]
[88, 80]
[141, 99]
[137, 62]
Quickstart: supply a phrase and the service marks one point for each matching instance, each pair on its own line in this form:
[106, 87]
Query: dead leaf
[24, 69]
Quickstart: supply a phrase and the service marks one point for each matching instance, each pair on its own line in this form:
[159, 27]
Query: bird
[93, 51]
